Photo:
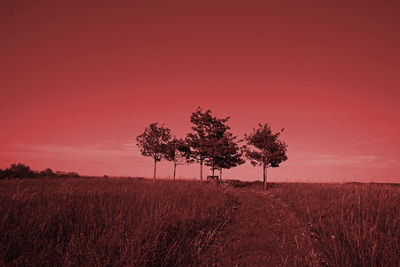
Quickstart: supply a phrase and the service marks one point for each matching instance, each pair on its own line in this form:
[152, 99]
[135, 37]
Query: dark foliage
[22, 171]
[153, 142]
[265, 149]
[211, 143]
[177, 151]
[226, 153]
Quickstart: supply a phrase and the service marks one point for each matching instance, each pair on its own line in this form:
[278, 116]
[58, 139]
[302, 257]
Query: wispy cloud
[116, 157]
[370, 141]
[358, 161]
[335, 160]
[122, 148]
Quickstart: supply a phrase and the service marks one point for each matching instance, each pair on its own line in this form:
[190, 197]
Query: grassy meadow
[137, 222]
[108, 222]
[350, 224]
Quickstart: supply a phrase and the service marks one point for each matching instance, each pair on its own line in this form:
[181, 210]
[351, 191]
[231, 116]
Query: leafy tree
[73, 175]
[47, 173]
[208, 130]
[19, 170]
[265, 149]
[153, 143]
[176, 152]
[23, 171]
[60, 174]
[229, 154]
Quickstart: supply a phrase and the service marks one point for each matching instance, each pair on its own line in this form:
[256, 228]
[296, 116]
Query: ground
[264, 232]
[139, 222]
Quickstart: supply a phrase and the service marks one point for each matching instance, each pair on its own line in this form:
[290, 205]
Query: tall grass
[351, 225]
[108, 221]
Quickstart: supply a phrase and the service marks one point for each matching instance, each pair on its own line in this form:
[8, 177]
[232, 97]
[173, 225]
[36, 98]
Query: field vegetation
[53, 222]
[350, 224]
[140, 222]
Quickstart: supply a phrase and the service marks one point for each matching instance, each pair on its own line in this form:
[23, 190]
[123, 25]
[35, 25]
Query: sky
[79, 80]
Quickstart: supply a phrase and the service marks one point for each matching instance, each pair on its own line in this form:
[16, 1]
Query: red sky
[79, 80]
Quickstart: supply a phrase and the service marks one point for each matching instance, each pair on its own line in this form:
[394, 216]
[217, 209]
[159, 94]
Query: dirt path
[264, 232]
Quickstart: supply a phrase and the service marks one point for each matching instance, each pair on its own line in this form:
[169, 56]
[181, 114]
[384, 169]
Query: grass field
[350, 224]
[108, 221]
[138, 222]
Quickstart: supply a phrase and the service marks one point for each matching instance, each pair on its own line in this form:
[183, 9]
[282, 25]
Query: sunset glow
[79, 80]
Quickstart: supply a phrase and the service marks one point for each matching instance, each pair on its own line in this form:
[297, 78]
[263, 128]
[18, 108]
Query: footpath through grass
[314, 225]
[264, 232]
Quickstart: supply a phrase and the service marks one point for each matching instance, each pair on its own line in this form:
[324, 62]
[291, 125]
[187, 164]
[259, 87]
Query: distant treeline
[22, 171]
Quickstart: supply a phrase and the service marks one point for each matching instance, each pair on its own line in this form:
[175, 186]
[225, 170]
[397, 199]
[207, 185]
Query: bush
[18, 170]
[22, 171]
[47, 173]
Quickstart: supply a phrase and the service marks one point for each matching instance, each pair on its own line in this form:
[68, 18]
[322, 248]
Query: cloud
[109, 149]
[363, 143]
[117, 157]
[361, 161]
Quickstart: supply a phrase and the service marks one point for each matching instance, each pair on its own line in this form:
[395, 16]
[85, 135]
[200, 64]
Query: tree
[73, 175]
[265, 149]
[176, 152]
[220, 143]
[47, 173]
[229, 154]
[19, 170]
[207, 131]
[153, 143]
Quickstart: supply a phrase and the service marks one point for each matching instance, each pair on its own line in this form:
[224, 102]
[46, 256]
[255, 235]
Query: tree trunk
[174, 170]
[155, 169]
[265, 176]
[201, 171]
[213, 168]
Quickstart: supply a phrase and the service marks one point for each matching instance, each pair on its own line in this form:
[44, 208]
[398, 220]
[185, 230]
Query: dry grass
[351, 225]
[109, 221]
[264, 232]
[140, 222]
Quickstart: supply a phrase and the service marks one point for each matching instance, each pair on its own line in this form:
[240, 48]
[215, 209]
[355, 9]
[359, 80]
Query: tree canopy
[212, 144]
[177, 152]
[207, 133]
[265, 149]
[226, 153]
[153, 142]
[23, 171]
